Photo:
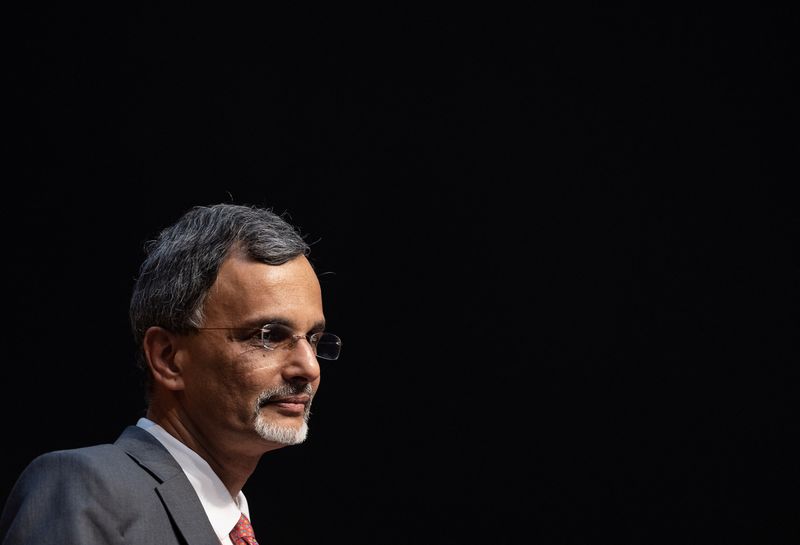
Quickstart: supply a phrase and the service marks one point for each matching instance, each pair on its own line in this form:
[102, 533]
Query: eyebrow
[258, 323]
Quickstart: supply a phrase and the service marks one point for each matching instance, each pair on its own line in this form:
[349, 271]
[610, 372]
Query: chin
[285, 435]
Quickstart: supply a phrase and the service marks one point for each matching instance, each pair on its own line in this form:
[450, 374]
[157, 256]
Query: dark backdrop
[558, 245]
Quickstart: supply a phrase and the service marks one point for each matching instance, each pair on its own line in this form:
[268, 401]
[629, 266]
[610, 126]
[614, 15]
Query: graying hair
[182, 263]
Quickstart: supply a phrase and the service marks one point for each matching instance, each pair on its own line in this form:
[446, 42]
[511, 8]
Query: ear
[161, 349]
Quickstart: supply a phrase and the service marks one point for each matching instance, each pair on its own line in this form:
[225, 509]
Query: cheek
[221, 375]
[227, 395]
[252, 373]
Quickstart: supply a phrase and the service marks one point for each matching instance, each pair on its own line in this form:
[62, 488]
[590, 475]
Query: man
[227, 312]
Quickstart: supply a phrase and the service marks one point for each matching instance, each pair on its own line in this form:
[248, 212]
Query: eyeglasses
[274, 336]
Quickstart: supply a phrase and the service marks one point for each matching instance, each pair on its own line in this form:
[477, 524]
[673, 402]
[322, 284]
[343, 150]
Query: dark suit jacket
[131, 492]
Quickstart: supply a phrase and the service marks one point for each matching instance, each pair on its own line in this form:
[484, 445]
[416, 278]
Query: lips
[287, 400]
[289, 405]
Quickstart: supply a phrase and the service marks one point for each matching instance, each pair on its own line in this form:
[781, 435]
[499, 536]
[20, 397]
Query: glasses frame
[290, 342]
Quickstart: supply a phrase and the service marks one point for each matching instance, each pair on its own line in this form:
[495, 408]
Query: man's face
[236, 390]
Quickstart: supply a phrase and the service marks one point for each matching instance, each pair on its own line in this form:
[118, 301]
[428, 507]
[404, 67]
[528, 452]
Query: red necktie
[242, 533]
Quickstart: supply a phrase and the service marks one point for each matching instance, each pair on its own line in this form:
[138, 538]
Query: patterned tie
[242, 533]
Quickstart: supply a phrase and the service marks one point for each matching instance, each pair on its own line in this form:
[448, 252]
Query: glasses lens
[328, 346]
[275, 335]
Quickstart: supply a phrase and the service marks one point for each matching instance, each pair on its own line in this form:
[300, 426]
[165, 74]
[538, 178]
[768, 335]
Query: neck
[233, 466]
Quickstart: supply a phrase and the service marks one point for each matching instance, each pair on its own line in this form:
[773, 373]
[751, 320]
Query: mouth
[288, 405]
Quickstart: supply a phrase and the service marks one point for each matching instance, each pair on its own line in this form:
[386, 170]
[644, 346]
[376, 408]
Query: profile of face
[234, 387]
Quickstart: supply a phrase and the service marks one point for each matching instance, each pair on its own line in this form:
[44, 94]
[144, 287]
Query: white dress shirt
[223, 511]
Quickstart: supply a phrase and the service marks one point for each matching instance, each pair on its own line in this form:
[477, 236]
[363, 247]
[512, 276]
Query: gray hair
[182, 263]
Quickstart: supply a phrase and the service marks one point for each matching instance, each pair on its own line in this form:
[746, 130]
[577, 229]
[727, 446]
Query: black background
[559, 245]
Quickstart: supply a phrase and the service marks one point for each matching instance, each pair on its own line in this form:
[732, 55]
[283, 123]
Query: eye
[276, 334]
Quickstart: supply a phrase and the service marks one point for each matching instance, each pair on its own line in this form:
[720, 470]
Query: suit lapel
[183, 505]
[175, 490]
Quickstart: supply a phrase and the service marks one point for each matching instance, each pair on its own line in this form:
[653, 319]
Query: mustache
[283, 391]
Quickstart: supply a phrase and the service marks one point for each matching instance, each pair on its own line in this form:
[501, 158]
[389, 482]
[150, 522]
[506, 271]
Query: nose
[302, 364]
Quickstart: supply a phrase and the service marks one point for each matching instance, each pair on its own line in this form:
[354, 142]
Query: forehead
[247, 290]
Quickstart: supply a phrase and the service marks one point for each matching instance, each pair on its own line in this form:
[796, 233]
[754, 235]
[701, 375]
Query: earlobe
[161, 349]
